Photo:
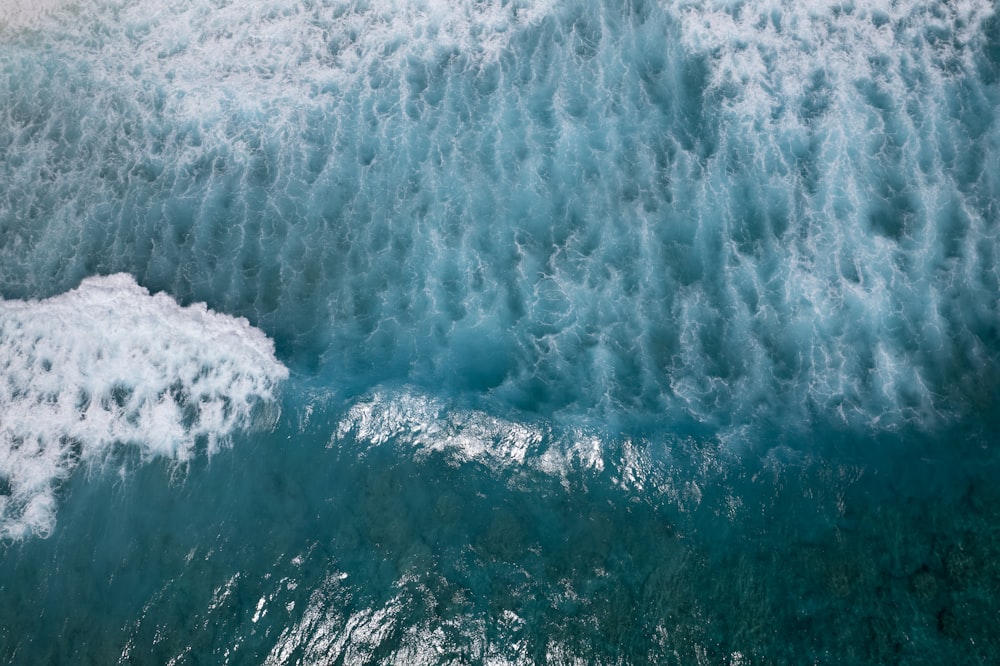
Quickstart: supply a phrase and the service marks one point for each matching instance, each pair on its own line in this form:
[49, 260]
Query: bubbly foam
[108, 364]
[18, 14]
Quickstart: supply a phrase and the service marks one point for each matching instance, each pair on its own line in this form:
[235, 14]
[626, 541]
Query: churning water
[499, 331]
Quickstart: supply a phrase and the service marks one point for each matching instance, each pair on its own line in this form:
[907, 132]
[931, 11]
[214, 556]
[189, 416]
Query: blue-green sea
[499, 332]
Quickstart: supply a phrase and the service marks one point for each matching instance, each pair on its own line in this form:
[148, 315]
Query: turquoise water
[499, 332]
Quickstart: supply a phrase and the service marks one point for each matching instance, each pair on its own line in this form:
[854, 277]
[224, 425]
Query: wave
[721, 212]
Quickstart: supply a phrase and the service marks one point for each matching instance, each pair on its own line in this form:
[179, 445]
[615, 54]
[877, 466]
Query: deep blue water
[431, 332]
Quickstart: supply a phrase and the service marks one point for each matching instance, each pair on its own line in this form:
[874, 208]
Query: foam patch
[108, 364]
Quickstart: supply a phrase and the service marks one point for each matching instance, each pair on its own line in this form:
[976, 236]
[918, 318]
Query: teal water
[499, 332]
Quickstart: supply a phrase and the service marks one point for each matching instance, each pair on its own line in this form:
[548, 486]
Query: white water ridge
[107, 364]
[714, 212]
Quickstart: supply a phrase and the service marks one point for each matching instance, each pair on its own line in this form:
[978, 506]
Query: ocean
[499, 332]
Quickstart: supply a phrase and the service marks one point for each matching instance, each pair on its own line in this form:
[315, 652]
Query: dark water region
[313, 553]
[587, 332]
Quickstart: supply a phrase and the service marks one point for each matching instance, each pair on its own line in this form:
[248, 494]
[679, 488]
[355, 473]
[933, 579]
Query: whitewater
[499, 331]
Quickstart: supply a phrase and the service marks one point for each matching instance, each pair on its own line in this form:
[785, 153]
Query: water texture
[499, 331]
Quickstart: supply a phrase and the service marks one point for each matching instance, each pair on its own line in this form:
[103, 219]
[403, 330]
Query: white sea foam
[108, 364]
[768, 51]
[213, 53]
[17, 14]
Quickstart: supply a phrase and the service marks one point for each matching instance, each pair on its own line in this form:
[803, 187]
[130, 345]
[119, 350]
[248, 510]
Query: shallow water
[502, 332]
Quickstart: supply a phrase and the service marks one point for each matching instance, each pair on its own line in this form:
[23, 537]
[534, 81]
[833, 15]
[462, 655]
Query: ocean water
[499, 332]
